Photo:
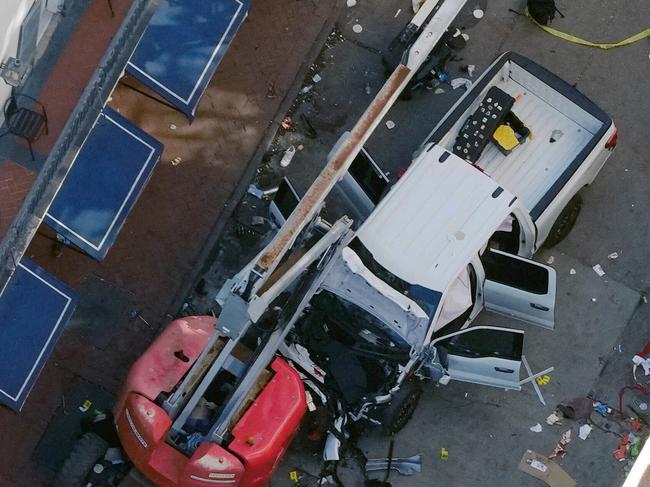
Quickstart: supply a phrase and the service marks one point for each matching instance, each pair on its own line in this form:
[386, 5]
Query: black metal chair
[22, 119]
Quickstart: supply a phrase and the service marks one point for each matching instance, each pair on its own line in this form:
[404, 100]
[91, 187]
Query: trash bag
[542, 11]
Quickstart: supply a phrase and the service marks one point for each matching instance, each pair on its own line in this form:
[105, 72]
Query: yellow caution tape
[601, 45]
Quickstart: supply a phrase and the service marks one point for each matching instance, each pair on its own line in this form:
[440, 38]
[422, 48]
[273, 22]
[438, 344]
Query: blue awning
[34, 308]
[103, 183]
[182, 47]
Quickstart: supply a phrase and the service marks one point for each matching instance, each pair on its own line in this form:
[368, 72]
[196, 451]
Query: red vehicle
[259, 432]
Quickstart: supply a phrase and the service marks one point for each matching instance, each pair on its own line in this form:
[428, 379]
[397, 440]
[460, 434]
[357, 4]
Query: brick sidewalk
[164, 235]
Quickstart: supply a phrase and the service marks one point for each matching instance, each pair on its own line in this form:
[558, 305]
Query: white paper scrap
[585, 429]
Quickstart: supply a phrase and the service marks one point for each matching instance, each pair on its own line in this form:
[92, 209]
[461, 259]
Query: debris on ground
[444, 454]
[560, 449]
[478, 13]
[351, 3]
[603, 409]
[542, 380]
[598, 270]
[399, 11]
[317, 78]
[404, 466]
[536, 429]
[288, 155]
[357, 28]
[261, 193]
[613, 256]
[643, 362]
[585, 429]
[390, 124]
[541, 468]
[286, 123]
[572, 272]
[458, 82]
[553, 419]
[531, 378]
[556, 135]
[550, 260]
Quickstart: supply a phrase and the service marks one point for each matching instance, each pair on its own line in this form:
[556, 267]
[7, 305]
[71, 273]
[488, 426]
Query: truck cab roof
[435, 219]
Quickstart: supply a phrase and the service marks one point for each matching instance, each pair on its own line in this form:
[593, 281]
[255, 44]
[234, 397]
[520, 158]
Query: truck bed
[532, 169]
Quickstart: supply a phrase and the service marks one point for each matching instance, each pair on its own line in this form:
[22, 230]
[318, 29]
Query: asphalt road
[487, 431]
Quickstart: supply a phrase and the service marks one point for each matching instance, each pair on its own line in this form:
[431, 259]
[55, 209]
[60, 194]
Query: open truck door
[485, 355]
[519, 288]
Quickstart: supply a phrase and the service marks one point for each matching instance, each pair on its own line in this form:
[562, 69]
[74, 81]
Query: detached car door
[519, 288]
[483, 355]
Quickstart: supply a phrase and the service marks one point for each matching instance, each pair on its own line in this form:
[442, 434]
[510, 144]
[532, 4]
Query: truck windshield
[427, 299]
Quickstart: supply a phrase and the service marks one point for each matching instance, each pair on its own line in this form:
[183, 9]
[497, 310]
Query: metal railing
[76, 129]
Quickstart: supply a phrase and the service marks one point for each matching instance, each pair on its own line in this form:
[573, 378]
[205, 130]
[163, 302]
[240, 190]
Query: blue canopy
[103, 183]
[34, 308]
[182, 47]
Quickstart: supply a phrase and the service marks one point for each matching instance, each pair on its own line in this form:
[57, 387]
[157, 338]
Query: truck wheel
[564, 222]
[88, 450]
[398, 411]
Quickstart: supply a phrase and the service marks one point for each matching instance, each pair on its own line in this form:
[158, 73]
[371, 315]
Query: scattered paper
[572, 272]
[172, 126]
[598, 270]
[553, 419]
[613, 256]
[593, 300]
[585, 429]
[357, 29]
[536, 429]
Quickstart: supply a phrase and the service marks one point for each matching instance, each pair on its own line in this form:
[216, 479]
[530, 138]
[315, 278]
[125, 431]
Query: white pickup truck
[451, 237]
[570, 140]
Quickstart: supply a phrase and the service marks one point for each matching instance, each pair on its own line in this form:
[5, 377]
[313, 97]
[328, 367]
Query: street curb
[254, 162]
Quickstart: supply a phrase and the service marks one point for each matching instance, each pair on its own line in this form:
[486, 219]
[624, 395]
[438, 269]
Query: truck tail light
[611, 142]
